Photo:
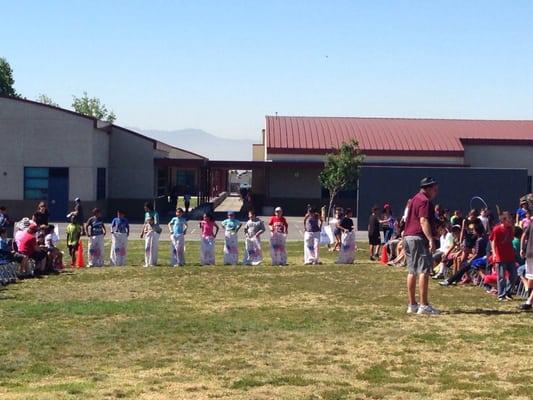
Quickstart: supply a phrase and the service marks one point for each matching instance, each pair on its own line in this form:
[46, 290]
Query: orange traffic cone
[384, 255]
[80, 261]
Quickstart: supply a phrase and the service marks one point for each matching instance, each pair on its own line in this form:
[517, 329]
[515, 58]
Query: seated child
[55, 256]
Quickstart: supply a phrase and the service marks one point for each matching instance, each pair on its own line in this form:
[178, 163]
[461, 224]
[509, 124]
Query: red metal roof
[388, 136]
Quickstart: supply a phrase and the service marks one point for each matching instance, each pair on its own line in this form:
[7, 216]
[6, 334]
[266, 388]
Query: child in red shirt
[501, 240]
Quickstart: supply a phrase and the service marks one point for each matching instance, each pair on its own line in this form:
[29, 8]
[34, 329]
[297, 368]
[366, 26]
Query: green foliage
[42, 98]
[93, 107]
[6, 79]
[341, 169]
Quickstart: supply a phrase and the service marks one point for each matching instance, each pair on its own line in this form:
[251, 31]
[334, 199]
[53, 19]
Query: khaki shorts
[417, 255]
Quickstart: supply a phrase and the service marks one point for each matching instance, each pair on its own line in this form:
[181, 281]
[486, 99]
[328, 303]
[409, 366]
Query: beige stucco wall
[131, 166]
[500, 156]
[299, 183]
[70, 141]
[258, 152]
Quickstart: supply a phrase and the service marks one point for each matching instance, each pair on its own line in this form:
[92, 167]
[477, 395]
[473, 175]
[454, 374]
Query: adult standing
[419, 244]
[187, 201]
[374, 235]
[501, 240]
[41, 216]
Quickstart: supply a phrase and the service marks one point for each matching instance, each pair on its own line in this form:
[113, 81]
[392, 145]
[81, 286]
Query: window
[185, 179]
[162, 181]
[35, 183]
[100, 183]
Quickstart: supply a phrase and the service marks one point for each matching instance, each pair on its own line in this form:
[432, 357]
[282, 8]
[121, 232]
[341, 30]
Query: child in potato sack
[253, 229]
[231, 242]
[151, 242]
[96, 232]
[209, 230]
[120, 231]
[178, 228]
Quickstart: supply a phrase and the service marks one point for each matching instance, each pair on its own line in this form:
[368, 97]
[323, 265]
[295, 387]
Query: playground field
[313, 332]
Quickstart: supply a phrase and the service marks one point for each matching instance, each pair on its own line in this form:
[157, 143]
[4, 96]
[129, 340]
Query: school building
[491, 159]
[56, 155]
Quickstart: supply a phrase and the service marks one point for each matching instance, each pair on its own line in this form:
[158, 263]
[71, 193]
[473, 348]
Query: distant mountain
[203, 143]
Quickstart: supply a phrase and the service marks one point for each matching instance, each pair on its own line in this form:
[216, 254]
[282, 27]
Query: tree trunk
[332, 196]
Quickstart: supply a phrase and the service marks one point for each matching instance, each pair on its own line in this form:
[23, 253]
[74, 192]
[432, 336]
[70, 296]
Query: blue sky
[222, 66]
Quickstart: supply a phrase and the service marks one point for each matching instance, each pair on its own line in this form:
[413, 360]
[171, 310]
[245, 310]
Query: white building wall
[69, 141]
[498, 156]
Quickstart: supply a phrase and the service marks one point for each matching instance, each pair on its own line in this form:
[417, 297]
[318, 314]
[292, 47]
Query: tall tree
[42, 98]
[341, 169]
[6, 79]
[93, 107]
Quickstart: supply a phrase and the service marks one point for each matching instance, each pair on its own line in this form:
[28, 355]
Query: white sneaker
[427, 310]
[412, 308]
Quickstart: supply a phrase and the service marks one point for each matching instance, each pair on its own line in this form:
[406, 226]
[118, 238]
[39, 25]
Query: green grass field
[314, 332]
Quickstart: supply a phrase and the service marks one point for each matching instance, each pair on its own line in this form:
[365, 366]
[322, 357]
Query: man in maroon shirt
[419, 244]
[501, 240]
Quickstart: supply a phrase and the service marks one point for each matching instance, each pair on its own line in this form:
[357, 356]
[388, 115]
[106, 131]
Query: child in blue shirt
[178, 228]
[120, 230]
[231, 242]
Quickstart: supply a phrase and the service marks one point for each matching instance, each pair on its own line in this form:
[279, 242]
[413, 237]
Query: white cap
[278, 209]
[77, 199]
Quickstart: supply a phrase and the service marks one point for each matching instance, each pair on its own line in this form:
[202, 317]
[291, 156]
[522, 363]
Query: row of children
[253, 229]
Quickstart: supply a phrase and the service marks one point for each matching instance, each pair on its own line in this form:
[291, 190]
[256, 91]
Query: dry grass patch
[323, 332]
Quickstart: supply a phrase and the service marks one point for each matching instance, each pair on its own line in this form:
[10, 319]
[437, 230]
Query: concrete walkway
[231, 203]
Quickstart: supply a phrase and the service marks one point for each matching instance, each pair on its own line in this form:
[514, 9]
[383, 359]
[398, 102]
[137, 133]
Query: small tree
[341, 169]
[42, 98]
[6, 79]
[93, 107]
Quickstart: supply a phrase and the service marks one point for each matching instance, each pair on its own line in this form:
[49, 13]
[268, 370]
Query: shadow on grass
[479, 311]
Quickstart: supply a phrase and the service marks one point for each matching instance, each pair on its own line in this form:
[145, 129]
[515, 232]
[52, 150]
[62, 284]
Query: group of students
[478, 249]
[34, 244]
[253, 228]
[32, 250]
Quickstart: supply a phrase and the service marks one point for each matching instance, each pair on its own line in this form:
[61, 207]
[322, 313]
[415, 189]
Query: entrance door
[58, 193]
